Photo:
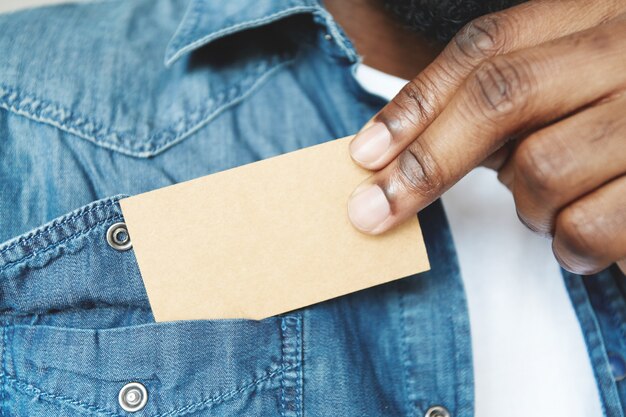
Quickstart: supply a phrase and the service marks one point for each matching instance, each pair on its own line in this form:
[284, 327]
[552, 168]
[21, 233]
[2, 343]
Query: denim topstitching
[28, 388]
[51, 113]
[595, 346]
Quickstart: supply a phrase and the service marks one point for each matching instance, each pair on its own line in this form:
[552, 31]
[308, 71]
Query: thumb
[400, 190]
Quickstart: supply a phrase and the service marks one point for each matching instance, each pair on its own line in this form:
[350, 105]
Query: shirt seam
[291, 322]
[72, 236]
[55, 225]
[54, 114]
[31, 389]
[596, 348]
[4, 394]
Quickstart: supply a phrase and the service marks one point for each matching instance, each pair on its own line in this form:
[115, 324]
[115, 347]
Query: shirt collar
[208, 20]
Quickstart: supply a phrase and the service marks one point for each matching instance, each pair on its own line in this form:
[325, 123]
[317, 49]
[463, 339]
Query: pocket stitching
[30, 389]
[54, 225]
[4, 394]
[291, 381]
[54, 114]
[8, 265]
[409, 381]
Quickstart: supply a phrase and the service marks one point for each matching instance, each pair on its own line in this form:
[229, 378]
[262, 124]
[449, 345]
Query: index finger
[422, 99]
[521, 90]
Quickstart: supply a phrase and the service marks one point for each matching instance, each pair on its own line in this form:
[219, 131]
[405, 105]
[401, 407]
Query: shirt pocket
[77, 328]
[108, 83]
[199, 368]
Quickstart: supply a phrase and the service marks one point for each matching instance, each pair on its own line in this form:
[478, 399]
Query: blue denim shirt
[118, 97]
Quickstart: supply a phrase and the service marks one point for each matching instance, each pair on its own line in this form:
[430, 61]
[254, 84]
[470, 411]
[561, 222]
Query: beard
[439, 20]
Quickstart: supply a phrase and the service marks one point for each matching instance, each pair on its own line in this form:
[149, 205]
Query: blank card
[263, 239]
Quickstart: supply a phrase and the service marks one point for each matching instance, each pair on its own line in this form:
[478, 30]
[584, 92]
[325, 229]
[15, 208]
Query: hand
[536, 92]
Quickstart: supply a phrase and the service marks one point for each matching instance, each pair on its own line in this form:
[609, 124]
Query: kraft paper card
[263, 239]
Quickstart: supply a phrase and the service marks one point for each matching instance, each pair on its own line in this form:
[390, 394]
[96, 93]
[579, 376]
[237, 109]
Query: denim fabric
[123, 96]
[78, 327]
[120, 97]
[600, 303]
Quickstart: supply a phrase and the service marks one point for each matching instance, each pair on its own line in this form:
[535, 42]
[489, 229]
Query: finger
[504, 95]
[622, 265]
[591, 233]
[558, 164]
[423, 98]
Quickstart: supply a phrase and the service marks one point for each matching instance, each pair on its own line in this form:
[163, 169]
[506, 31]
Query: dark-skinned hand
[537, 93]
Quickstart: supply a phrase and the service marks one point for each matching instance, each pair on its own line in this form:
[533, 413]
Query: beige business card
[263, 239]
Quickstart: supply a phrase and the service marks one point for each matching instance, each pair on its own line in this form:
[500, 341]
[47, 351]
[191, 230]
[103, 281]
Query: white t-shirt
[529, 354]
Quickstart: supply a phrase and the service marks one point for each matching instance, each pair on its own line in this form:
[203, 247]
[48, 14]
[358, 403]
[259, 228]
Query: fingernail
[368, 208]
[370, 144]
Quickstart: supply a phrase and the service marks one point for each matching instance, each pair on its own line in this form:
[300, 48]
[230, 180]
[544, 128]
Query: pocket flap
[185, 366]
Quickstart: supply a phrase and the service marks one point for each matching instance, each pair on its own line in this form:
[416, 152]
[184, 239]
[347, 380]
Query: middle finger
[564, 161]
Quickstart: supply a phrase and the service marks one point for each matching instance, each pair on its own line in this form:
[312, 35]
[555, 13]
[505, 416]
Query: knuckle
[482, 38]
[602, 40]
[538, 169]
[417, 101]
[605, 129]
[501, 86]
[580, 234]
[418, 173]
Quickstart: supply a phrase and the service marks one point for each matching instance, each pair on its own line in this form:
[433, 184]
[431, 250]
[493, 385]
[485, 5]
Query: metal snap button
[133, 397]
[118, 238]
[437, 411]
